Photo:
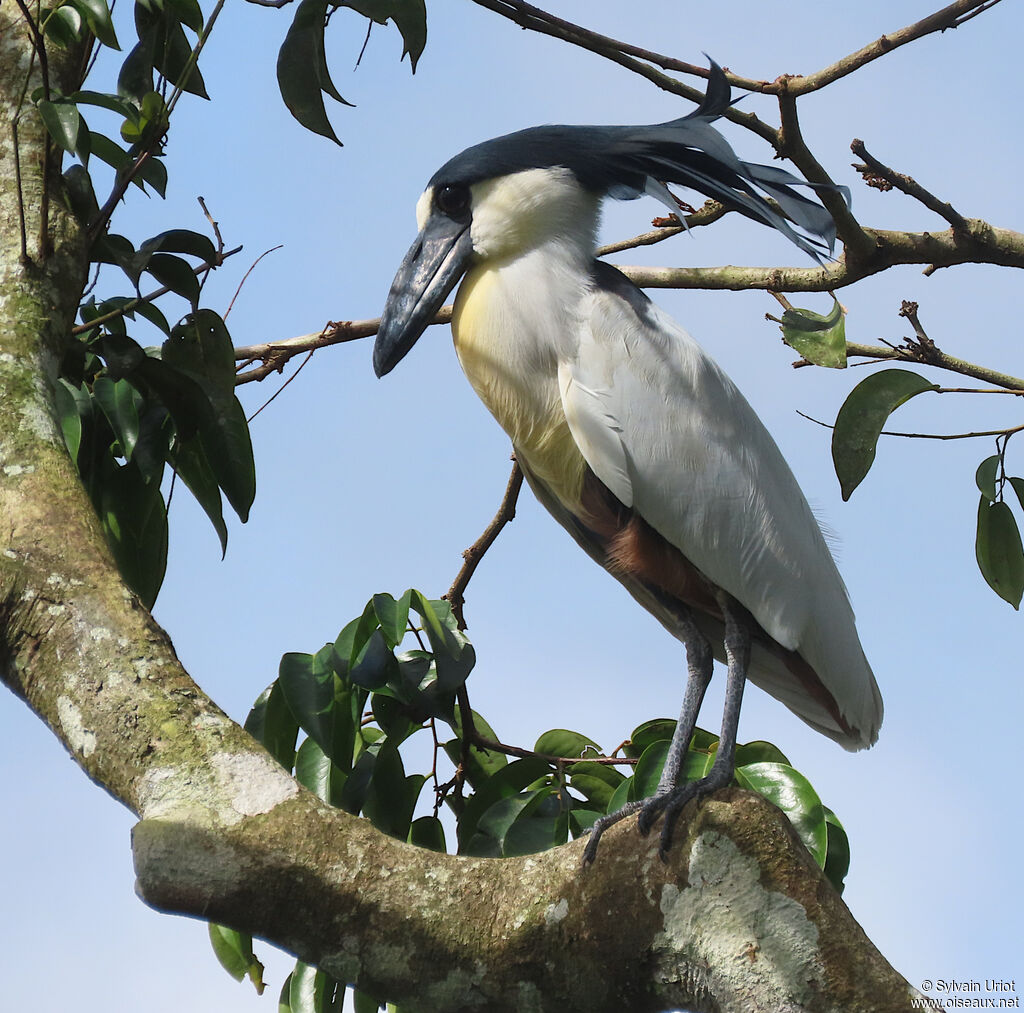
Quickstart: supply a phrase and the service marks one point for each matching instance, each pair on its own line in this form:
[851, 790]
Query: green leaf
[376, 665]
[134, 518]
[176, 274]
[234, 951]
[103, 100]
[302, 69]
[819, 339]
[120, 403]
[837, 856]
[537, 831]
[792, 793]
[759, 752]
[862, 417]
[97, 16]
[200, 348]
[63, 121]
[172, 52]
[428, 832]
[561, 742]
[985, 477]
[594, 789]
[71, 403]
[999, 552]
[321, 702]
[315, 771]
[194, 244]
[508, 781]
[64, 26]
[81, 194]
[650, 731]
[647, 772]
[187, 12]
[1018, 487]
[409, 16]
[392, 615]
[135, 79]
[391, 797]
[363, 1003]
[189, 461]
[272, 723]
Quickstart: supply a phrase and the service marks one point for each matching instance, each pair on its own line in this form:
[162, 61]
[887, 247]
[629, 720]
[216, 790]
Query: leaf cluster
[341, 718]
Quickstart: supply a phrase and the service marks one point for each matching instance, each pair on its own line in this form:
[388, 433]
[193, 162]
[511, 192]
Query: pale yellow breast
[518, 381]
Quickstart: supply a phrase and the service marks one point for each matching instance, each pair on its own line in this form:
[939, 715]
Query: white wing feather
[669, 434]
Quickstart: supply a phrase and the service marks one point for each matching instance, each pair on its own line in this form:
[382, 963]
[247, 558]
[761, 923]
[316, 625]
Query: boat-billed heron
[626, 430]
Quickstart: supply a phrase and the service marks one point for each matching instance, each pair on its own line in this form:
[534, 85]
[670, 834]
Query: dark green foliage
[360, 699]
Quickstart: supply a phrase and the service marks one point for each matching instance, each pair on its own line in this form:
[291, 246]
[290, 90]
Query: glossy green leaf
[272, 723]
[68, 400]
[134, 519]
[176, 274]
[63, 26]
[792, 793]
[602, 771]
[837, 855]
[363, 1003]
[562, 742]
[648, 770]
[302, 989]
[234, 951]
[999, 552]
[428, 832]
[63, 122]
[194, 244]
[103, 100]
[392, 795]
[135, 79]
[151, 312]
[531, 834]
[392, 615]
[97, 16]
[647, 733]
[508, 781]
[120, 403]
[595, 789]
[376, 664]
[200, 347]
[321, 702]
[985, 477]
[302, 69]
[172, 52]
[315, 771]
[759, 752]
[863, 416]
[819, 339]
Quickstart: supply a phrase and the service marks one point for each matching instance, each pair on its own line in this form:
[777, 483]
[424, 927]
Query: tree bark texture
[739, 918]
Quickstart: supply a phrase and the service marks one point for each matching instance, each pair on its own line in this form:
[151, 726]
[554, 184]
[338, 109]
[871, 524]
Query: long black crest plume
[627, 162]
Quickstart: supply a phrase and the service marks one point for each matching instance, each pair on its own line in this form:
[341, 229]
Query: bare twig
[245, 277]
[280, 389]
[472, 556]
[876, 172]
[501, 747]
[274, 354]
[927, 436]
[710, 212]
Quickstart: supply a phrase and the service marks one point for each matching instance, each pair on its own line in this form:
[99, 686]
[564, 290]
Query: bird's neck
[513, 319]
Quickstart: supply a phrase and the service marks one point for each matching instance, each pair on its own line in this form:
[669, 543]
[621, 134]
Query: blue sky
[368, 485]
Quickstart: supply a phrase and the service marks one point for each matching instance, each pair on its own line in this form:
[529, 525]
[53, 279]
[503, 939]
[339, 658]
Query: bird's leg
[700, 663]
[737, 654]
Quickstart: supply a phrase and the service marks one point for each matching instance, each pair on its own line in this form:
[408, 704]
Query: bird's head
[500, 197]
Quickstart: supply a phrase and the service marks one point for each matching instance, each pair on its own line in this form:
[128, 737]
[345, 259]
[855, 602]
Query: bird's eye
[452, 200]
